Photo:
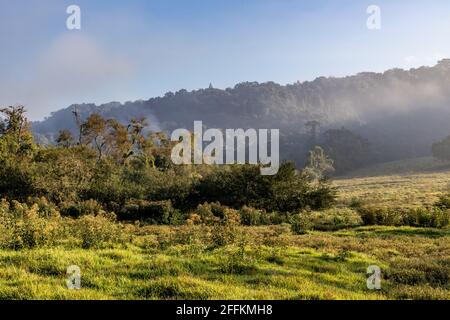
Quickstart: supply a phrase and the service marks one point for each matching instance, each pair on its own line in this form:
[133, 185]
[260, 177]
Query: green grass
[268, 264]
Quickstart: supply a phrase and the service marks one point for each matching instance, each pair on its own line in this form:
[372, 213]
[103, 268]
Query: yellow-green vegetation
[219, 259]
[260, 263]
[409, 190]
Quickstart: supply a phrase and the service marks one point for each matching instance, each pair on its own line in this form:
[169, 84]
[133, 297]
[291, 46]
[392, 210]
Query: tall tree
[16, 128]
[64, 139]
[94, 132]
[319, 165]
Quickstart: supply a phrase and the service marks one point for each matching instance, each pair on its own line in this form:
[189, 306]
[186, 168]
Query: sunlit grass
[313, 266]
[410, 190]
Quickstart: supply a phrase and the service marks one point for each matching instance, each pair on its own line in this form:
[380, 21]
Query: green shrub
[250, 216]
[205, 212]
[215, 213]
[39, 225]
[98, 231]
[154, 212]
[287, 191]
[322, 197]
[327, 220]
[81, 208]
[335, 219]
[373, 215]
[25, 227]
[46, 208]
[275, 218]
[301, 223]
[231, 217]
[443, 202]
[238, 262]
[433, 217]
[222, 235]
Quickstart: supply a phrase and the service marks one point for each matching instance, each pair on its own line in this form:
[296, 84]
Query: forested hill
[399, 113]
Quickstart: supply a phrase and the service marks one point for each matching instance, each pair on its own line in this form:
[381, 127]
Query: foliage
[96, 231]
[319, 165]
[301, 223]
[287, 191]
[62, 174]
[251, 216]
[156, 212]
[40, 225]
[335, 219]
[65, 138]
[327, 220]
[433, 217]
[81, 208]
[216, 214]
[27, 227]
[126, 169]
[443, 202]
[15, 129]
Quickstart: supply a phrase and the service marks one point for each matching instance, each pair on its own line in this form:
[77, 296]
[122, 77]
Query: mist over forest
[362, 119]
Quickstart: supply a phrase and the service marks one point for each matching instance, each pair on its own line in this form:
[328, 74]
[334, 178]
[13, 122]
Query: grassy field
[410, 189]
[266, 263]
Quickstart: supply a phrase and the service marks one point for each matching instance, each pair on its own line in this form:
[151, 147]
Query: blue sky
[136, 49]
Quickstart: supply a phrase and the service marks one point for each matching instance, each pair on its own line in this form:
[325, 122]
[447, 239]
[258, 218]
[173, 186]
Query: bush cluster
[327, 220]
[433, 217]
[24, 226]
[153, 212]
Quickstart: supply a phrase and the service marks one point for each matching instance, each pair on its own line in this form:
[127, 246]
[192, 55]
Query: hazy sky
[136, 49]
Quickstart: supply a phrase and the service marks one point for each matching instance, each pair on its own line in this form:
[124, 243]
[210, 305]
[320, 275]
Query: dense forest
[373, 117]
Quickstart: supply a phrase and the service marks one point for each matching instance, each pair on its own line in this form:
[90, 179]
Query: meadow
[410, 183]
[263, 263]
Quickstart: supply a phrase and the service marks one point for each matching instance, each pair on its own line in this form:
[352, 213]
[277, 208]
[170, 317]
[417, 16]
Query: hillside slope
[400, 112]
